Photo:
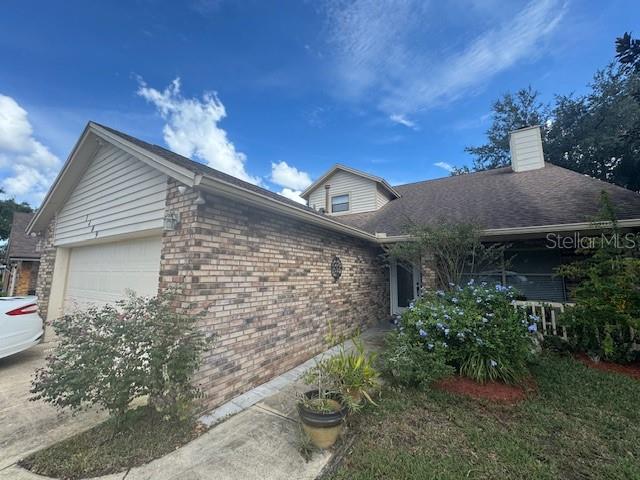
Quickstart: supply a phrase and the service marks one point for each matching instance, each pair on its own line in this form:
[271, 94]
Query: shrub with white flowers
[111, 355]
[475, 329]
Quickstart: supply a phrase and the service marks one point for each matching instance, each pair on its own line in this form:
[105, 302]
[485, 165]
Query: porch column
[428, 273]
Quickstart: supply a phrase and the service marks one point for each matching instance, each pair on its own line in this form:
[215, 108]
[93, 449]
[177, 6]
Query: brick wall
[265, 283]
[45, 272]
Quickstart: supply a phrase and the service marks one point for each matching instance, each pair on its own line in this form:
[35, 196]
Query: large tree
[628, 51]
[510, 112]
[597, 133]
[7, 208]
[590, 133]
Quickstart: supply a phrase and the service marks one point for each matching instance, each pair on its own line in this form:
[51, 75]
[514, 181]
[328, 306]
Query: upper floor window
[340, 203]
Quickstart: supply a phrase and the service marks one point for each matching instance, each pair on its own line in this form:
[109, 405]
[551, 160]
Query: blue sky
[277, 92]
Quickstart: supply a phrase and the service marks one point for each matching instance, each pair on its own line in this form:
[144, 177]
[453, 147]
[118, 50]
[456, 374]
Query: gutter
[383, 238]
[218, 186]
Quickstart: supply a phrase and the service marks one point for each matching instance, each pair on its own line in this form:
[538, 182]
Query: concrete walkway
[26, 426]
[254, 436]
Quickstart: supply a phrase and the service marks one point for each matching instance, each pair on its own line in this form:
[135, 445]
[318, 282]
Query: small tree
[109, 356]
[453, 250]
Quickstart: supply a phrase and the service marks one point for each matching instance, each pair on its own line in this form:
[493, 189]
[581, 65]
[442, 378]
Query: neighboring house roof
[381, 181]
[21, 245]
[499, 199]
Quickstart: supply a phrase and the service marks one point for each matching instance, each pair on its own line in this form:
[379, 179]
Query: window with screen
[340, 203]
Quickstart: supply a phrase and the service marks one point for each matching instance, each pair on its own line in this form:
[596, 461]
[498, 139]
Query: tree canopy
[7, 208]
[597, 133]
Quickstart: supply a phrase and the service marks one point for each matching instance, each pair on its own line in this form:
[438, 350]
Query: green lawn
[582, 424]
[105, 449]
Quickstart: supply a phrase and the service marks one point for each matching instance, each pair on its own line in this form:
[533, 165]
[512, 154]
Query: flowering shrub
[474, 329]
[111, 355]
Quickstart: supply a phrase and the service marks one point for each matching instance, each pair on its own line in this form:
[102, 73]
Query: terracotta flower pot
[322, 428]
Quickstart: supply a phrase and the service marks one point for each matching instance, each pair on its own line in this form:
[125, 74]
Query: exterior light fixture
[200, 200]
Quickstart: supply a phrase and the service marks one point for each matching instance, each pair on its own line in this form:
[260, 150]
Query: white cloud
[387, 49]
[402, 120]
[444, 165]
[192, 129]
[28, 167]
[288, 176]
[292, 180]
[293, 195]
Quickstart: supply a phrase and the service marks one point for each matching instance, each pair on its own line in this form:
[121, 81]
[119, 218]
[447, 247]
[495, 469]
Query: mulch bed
[631, 370]
[494, 391]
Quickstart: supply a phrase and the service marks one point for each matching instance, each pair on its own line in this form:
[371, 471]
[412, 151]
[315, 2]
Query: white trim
[181, 174]
[343, 212]
[382, 238]
[305, 194]
[525, 128]
[217, 185]
[220, 187]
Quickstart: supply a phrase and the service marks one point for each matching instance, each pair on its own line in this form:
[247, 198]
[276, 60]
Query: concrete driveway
[29, 426]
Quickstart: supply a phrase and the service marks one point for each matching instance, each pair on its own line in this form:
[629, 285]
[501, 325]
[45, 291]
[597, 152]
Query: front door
[405, 285]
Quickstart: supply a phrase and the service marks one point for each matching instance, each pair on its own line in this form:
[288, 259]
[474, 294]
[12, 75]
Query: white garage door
[102, 273]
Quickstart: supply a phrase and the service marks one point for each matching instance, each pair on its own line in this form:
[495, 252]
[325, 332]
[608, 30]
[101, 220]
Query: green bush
[475, 329]
[605, 322]
[109, 356]
[406, 361]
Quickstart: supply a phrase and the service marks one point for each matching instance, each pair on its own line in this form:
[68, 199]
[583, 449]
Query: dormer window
[340, 203]
[345, 190]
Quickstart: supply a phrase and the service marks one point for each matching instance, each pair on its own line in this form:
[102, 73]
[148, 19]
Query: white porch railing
[548, 315]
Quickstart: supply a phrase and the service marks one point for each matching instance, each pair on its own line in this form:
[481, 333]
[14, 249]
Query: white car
[20, 325]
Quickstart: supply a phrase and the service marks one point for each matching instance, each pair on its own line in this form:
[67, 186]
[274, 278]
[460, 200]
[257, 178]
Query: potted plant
[353, 374]
[321, 410]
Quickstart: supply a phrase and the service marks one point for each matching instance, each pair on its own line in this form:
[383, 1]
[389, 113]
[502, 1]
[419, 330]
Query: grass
[105, 449]
[582, 424]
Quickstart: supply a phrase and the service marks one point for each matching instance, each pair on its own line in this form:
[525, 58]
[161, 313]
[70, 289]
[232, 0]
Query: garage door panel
[102, 273]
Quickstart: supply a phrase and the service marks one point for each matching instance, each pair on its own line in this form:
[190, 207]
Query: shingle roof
[498, 198]
[21, 245]
[493, 199]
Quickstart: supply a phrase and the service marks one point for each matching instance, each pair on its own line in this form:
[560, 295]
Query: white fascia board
[307, 191]
[31, 227]
[170, 169]
[535, 229]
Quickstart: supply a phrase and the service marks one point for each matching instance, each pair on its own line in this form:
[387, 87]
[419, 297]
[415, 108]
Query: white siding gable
[382, 197]
[362, 192]
[117, 195]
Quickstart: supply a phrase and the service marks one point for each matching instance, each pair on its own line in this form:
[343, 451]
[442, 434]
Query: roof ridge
[450, 177]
